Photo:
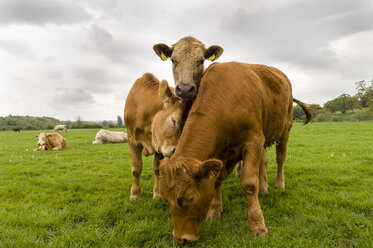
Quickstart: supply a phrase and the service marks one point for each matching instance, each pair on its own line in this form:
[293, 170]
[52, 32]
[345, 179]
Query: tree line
[345, 107]
[12, 122]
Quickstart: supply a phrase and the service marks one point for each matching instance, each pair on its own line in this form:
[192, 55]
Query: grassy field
[79, 196]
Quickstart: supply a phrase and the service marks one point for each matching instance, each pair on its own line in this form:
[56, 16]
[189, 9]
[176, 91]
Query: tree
[79, 122]
[119, 121]
[365, 93]
[338, 104]
[298, 113]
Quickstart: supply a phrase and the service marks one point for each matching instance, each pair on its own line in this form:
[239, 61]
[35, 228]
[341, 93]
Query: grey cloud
[96, 79]
[17, 48]
[72, 96]
[299, 32]
[114, 48]
[41, 12]
[54, 74]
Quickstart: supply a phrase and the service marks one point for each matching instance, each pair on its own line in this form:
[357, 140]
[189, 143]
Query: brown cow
[151, 108]
[239, 109]
[50, 141]
[187, 56]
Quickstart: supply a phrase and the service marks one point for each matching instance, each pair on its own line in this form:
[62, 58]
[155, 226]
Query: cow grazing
[239, 109]
[16, 129]
[50, 141]
[106, 137]
[60, 127]
[153, 117]
[187, 56]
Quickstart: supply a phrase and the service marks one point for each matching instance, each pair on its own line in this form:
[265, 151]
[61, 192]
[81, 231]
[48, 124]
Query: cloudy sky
[70, 58]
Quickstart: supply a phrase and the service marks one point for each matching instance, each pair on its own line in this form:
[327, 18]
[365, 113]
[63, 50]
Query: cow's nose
[185, 91]
[185, 239]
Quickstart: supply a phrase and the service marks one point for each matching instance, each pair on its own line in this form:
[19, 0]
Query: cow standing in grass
[239, 110]
[188, 56]
[50, 141]
[153, 116]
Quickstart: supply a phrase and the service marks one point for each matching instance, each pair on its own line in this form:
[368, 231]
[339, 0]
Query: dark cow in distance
[15, 129]
[187, 56]
[240, 109]
[153, 116]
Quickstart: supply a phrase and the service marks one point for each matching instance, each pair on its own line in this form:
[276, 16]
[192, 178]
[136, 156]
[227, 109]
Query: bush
[337, 118]
[322, 117]
[364, 116]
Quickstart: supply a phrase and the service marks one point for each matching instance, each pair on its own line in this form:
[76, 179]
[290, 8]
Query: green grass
[79, 196]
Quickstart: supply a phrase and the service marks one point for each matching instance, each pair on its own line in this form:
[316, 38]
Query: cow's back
[55, 140]
[142, 104]
[233, 99]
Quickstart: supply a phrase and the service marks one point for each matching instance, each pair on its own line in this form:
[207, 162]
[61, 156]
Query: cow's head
[42, 138]
[188, 186]
[166, 126]
[187, 56]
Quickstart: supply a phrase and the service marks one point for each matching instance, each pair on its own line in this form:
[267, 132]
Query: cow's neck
[198, 139]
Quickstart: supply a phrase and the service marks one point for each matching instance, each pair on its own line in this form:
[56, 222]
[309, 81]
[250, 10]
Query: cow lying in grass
[105, 137]
[60, 127]
[153, 116]
[239, 109]
[50, 141]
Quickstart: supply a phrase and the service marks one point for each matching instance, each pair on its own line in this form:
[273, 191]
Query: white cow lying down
[105, 137]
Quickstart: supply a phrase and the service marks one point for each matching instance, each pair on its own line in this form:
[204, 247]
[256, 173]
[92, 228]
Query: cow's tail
[306, 109]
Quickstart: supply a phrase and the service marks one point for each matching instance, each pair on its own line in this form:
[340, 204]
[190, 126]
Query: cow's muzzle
[185, 91]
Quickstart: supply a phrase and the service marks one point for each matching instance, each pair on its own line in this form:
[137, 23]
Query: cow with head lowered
[240, 109]
[154, 117]
[187, 56]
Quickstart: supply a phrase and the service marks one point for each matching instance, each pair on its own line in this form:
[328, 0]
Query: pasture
[79, 196]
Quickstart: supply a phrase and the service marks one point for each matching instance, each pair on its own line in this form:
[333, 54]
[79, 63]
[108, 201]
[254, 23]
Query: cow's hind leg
[250, 183]
[136, 170]
[281, 151]
[156, 159]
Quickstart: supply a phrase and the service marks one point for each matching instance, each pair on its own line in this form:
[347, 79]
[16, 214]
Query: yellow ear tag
[212, 175]
[212, 57]
[163, 57]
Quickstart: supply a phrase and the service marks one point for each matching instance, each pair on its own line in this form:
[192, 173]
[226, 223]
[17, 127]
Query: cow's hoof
[258, 230]
[134, 197]
[279, 185]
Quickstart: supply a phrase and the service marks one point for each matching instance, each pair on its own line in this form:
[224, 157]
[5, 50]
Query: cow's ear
[165, 93]
[210, 169]
[163, 51]
[49, 135]
[213, 52]
[37, 136]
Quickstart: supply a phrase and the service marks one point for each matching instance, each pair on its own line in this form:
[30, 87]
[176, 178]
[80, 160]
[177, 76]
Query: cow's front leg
[156, 159]
[216, 206]
[250, 183]
[263, 182]
[136, 170]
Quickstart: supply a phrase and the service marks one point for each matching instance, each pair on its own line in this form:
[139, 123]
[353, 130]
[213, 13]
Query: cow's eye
[200, 62]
